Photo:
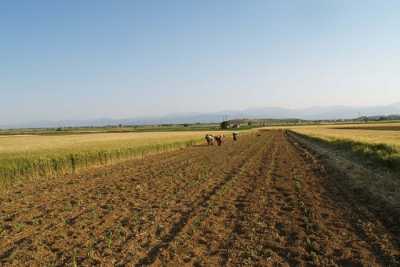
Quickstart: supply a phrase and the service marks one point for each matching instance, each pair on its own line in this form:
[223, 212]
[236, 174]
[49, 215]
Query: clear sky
[75, 59]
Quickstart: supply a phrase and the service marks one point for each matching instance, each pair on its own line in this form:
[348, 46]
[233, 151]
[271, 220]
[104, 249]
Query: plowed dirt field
[262, 201]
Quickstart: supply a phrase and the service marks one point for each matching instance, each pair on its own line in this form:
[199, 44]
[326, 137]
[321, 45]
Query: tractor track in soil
[262, 201]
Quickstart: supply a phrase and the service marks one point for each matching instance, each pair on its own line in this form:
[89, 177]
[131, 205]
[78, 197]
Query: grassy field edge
[378, 155]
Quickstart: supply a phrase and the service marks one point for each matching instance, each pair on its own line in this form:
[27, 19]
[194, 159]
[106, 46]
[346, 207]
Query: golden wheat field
[47, 144]
[379, 133]
[31, 156]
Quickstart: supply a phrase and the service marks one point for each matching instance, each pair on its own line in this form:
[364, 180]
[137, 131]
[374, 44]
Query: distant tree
[224, 125]
[186, 125]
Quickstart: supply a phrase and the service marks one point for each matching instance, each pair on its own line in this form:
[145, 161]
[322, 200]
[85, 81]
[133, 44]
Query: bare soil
[262, 201]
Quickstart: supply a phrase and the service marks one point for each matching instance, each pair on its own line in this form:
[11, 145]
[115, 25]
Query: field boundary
[378, 155]
[356, 180]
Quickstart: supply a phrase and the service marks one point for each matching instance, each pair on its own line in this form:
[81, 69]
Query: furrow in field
[262, 201]
[168, 248]
[83, 196]
[368, 231]
[240, 246]
[69, 203]
[142, 196]
[209, 225]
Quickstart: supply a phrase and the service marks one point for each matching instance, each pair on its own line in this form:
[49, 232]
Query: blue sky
[89, 59]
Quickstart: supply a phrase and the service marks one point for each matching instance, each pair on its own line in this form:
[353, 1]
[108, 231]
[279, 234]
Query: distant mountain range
[312, 113]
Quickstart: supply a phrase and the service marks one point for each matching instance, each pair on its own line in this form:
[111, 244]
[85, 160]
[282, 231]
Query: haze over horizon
[70, 60]
[309, 113]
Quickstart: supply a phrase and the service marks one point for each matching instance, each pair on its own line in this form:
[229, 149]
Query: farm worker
[219, 139]
[210, 139]
[235, 136]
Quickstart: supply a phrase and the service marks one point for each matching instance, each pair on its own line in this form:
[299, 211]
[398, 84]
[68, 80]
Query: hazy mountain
[311, 113]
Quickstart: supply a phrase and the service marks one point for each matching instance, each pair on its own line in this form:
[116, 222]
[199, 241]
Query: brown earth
[262, 201]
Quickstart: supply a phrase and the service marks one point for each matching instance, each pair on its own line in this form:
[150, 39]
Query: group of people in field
[219, 139]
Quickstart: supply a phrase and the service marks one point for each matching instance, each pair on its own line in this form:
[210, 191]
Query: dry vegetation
[42, 144]
[31, 156]
[359, 133]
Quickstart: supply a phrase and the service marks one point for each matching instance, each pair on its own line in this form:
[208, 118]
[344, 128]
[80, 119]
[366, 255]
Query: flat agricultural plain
[266, 200]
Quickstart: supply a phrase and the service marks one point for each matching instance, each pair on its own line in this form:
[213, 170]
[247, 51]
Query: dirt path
[261, 201]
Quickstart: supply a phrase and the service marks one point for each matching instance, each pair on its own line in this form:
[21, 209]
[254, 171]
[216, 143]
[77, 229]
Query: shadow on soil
[185, 217]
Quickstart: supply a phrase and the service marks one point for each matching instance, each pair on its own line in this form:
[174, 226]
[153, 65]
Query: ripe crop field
[265, 200]
[388, 133]
[32, 156]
